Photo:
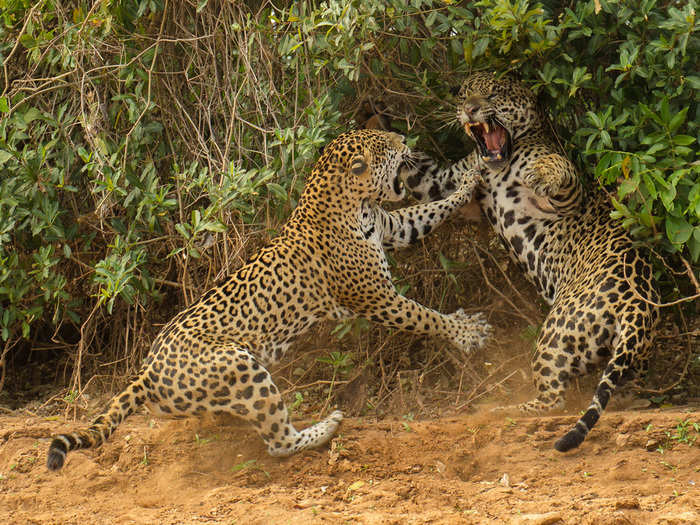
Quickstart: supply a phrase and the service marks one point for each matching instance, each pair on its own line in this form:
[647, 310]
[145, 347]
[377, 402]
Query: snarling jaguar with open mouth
[597, 279]
[491, 138]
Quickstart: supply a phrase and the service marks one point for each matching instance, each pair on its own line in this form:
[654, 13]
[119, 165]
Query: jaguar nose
[398, 140]
[471, 107]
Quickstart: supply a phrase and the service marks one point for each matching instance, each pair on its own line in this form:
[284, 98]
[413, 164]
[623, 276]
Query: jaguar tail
[619, 369]
[120, 407]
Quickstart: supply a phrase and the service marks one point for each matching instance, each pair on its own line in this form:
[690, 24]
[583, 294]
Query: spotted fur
[328, 263]
[585, 265]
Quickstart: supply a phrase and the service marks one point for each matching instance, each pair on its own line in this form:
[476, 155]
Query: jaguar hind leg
[560, 355]
[550, 396]
[251, 394]
[572, 342]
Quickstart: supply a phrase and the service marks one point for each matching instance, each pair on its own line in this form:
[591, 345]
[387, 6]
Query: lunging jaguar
[327, 263]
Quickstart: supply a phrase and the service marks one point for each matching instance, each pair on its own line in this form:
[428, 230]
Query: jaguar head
[373, 160]
[495, 112]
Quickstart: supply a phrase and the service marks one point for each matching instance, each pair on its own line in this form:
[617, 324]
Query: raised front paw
[472, 178]
[546, 175]
[472, 330]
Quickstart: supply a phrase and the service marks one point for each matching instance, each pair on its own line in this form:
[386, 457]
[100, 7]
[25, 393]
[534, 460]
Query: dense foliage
[142, 142]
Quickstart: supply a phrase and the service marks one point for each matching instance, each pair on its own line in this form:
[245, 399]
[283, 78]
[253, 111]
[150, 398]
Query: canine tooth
[499, 157]
[485, 158]
[487, 128]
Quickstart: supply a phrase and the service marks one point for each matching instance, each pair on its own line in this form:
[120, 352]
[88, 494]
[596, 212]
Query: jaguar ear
[359, 166]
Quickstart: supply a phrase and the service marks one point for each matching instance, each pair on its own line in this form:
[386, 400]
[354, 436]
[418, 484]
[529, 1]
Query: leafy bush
[143, 143]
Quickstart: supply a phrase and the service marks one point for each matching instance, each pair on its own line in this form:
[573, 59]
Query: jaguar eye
[358, 167]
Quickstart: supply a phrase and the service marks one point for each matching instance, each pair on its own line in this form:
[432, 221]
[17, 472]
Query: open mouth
[398, 186]
[492, 139]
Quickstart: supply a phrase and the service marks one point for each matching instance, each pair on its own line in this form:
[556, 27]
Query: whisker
[454, 124]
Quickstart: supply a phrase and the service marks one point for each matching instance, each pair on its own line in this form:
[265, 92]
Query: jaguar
[584, 264]
[328, 262]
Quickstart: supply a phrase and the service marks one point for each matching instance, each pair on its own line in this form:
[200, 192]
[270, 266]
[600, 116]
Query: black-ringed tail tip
[570, 441]
[57, 452]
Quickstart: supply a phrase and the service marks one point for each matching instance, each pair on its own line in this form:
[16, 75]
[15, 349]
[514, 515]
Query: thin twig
[9, 344]
[691, 275]
[526, 317]
[490, 389]
[14, 48]
[148, 90]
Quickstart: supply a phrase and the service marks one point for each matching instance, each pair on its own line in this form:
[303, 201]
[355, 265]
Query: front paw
[545, 175]
[472, 178]
[472, 330]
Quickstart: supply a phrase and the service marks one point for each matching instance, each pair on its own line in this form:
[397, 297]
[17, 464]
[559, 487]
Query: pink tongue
[495, 139]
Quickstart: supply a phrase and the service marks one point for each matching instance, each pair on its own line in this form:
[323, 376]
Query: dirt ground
[637, 466]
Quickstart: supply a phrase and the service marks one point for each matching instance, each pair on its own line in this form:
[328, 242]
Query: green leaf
[214, 226]
[678, 230]
[4, 107]
[677, 120]
[651, 187]
[694, 244]
[603, 164]
[628, 186]
[595, 119]
[481, 45]
[182, 230]
[656, 147]
[31, 115]
[668, 194]
[665, 110]
[278, 191]
[683, 140]
[649, 113]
